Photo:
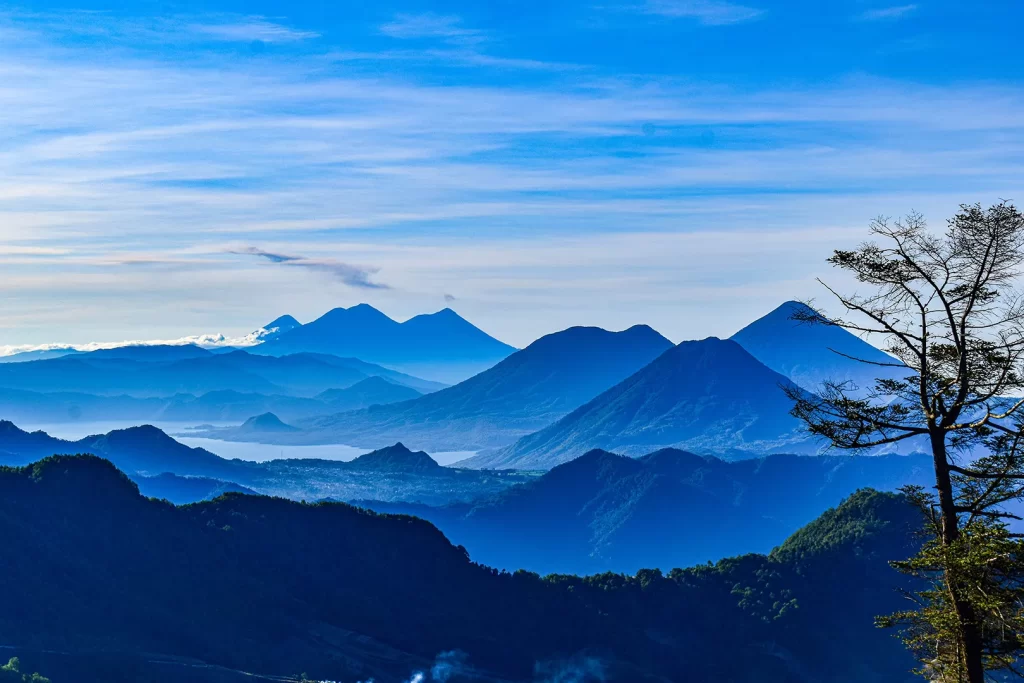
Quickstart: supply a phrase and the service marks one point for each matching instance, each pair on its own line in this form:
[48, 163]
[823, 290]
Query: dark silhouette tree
[948, 307]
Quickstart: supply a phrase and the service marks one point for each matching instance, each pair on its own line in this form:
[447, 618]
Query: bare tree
[948, 307]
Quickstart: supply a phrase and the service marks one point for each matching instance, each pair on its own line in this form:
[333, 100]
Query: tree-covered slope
[275, 587]
[669, 508]
[393, 473]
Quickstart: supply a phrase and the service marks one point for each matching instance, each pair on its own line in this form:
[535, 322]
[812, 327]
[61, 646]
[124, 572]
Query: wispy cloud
[250, 29]
[458, 44]
[448, 28]
[887, 13]
[454, 57]
[351, 275]
[707, 12]
[27, 27]
[523, 194]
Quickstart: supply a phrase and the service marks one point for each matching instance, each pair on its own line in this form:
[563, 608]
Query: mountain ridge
[608, 512]
[437, 346]
[811, 353]
[524, 392]
[710, 396]
[329, 577]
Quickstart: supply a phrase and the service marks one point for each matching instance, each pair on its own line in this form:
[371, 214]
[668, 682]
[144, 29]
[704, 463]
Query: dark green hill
[182, 490]
[669, 508]
[274, 587]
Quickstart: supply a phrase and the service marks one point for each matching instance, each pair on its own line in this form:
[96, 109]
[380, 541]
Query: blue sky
[170, 169]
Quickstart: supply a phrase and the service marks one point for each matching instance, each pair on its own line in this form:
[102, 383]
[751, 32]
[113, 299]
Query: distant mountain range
[168, 370]
[526, 391]
[183, 490]
[810, 353]
[274, 587]
[212, 406]
[707, 396]
[607, 512]
[368, 392]
[441, 346]
[393, 473]
[565, 394]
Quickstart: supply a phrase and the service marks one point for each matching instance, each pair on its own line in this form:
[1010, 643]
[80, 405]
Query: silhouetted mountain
[267, 423]
[143, 449]
[386, 475]
[440, 346]
[151, 353]
[809, 353]
[670, 508]
[146, 449]
[183, 490]
[526, 391]
[225, 406]
[213, 406]
[149, 373]
[41, 354]
[707, 396]
[368, 392]
[395, 458]
[349, 595]
[279, 326]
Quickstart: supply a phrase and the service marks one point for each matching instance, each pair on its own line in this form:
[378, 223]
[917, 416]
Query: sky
[173, 169]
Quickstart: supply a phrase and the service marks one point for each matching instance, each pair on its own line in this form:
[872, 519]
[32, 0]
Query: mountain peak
[810, 353]
[8, 427]
[710, 395]
[440, 346]
[85, 477]
[361, 313]
[282, 324]
[396, 458]
[267, 422]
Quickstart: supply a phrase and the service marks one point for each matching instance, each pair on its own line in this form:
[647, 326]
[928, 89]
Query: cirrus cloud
[351, 275]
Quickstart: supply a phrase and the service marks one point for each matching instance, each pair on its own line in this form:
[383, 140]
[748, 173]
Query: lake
[255, 452]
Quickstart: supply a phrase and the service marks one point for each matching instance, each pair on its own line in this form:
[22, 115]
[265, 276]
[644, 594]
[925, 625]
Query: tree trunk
[970, 634]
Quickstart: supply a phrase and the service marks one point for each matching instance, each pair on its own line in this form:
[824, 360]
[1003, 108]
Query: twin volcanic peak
[441, 346]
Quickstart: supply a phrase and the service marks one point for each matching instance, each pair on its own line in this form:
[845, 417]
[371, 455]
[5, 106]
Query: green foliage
[949, 309]
[11, 673]
[986, 564]
[269, 595]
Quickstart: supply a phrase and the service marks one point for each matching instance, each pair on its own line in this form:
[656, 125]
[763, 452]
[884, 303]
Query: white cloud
[250, 29]
[887, 13]
[444, 27]
[206, 341]
[707, 12]
[536, 204]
